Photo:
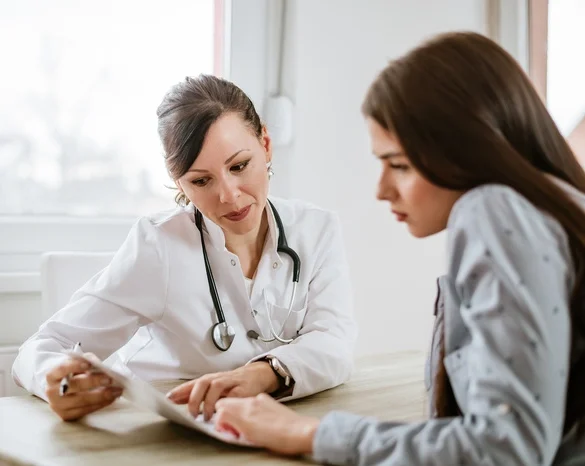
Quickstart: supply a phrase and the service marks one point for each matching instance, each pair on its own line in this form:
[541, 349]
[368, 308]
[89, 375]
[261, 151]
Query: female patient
[466, 145]
[152, 309]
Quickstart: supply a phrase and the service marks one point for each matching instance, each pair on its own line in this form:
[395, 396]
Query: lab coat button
[233, 262]
[275, 265]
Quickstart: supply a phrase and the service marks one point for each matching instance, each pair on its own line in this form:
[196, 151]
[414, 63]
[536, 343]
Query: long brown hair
[188, 110]
[466, 114]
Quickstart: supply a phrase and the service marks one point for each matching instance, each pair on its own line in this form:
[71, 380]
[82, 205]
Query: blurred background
[80, 158]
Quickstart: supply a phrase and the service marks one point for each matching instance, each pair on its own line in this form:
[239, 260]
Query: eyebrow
[389, 155]
[229, 159]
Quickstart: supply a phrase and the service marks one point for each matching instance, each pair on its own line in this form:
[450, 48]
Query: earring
[269, 169]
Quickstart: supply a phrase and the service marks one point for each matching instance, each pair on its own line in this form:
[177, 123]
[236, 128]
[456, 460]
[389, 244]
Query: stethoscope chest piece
[222, 335]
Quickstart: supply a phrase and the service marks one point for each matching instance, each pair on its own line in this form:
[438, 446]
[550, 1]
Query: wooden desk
[388, 386]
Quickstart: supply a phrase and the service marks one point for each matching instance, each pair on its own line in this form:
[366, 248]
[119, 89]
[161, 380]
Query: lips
[238, 215]
[400, 216]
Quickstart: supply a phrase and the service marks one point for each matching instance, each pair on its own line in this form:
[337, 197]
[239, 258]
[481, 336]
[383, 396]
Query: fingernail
[105, 381]
[170, 394]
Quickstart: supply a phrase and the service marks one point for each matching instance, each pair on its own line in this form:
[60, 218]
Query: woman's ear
[266, 144]
[178, 185]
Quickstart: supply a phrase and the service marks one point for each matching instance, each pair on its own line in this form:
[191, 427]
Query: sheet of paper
[143, 395]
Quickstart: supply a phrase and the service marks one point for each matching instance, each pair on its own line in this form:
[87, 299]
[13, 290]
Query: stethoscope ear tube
[210, 279]
[283, 245]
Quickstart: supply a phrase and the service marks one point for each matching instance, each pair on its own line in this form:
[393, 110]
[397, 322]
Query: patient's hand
[88, 391]
[249, 380]
[267, 423]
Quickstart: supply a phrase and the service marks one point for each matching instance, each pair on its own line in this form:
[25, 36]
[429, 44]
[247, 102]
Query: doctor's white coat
[151, 312]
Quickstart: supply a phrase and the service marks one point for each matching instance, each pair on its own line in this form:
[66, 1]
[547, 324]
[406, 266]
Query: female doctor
[235, 293]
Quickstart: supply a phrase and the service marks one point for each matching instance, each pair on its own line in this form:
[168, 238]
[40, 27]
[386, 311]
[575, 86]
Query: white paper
[142, 394]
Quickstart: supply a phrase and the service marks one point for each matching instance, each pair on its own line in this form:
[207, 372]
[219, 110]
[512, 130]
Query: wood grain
[388, 386]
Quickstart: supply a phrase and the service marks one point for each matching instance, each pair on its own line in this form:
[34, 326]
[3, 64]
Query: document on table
[145, 396]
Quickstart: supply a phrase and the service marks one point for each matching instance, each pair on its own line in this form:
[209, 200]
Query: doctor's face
[228, 182]
[423, 206]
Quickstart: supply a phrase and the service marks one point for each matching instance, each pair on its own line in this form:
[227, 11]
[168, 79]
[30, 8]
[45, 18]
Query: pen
[64, 385]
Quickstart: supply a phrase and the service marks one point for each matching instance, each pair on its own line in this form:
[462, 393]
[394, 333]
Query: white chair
[63, 273]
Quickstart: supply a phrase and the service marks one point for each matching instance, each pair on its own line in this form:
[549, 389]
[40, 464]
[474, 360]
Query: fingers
[70, 366]
[231, 413]
[181, 393]
[75, 413]
[88, 381]
[80, 399]
[207, 390]
[217, 389]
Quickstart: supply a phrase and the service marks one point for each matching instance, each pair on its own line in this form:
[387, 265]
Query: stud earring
[269, 169]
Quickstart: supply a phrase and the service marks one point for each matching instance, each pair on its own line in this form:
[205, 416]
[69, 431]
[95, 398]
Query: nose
[229, 191]
[386, 188]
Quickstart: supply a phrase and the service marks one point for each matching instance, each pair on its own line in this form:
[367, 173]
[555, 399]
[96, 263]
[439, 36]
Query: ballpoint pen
[64, 385]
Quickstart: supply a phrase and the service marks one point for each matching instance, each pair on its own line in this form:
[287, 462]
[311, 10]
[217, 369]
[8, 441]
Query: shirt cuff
[336, 437]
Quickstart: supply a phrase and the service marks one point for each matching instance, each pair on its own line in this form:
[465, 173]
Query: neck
[249, 247]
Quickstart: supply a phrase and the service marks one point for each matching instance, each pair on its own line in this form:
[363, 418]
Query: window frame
[538, 71]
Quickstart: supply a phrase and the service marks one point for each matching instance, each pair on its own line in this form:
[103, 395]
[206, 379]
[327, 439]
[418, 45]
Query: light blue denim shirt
[505, 307]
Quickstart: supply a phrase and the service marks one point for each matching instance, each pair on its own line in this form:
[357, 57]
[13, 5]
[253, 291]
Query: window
[78, 122]
[566, 70]
[80, 157]
[556, 39]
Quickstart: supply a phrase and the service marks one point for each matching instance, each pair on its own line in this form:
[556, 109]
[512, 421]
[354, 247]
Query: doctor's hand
[248, 380]
[267, 423]
[88, 391]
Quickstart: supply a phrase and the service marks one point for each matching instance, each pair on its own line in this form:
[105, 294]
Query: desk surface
[388, 386]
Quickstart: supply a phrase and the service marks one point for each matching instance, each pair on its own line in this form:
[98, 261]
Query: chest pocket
[291, 326]
[457, 366]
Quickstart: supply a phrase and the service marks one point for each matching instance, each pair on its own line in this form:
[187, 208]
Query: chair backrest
[63, 273]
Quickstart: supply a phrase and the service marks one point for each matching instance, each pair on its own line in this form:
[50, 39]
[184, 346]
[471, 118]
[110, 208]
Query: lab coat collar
[216, 237]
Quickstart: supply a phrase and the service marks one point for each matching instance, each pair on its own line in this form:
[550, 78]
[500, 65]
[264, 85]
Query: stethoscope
[223, 334]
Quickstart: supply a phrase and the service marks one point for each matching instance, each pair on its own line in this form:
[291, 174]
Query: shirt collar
[216, 237]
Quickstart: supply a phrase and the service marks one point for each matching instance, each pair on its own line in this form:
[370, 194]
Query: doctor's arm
[104, 314]
[321, 357]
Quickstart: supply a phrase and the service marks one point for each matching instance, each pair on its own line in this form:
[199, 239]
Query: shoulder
[496, 222]
[496, 211]
[303, 214]
[173, 223]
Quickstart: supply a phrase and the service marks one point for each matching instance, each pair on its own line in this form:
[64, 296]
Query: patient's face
[423, 206]
[228, 182]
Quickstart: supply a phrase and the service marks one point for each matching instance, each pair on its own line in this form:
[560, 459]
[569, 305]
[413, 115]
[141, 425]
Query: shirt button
[503, 409]
[233, 262]
[275, 265]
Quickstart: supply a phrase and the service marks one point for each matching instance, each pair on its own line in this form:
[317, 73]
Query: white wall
[339, 46]
[334, 49]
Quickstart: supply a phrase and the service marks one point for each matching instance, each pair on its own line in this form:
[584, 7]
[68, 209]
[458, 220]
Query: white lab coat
[150, 311]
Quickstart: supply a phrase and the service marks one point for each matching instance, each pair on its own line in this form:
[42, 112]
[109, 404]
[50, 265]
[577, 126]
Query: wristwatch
[285, 382]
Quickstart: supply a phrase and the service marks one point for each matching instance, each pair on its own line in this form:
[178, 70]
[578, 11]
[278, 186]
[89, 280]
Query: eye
[399, 166]
[200, 182]
[240, 166]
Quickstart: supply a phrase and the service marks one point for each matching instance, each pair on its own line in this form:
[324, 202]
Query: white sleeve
[105, 313]
[322, 356]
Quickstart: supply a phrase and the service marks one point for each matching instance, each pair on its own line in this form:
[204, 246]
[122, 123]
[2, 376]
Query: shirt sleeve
[321, 356]
[105, 313]
[510, 267]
